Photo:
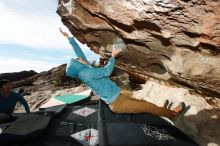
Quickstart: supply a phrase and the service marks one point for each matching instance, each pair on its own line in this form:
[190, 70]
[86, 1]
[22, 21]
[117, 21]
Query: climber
[8, 100]
[119, 101]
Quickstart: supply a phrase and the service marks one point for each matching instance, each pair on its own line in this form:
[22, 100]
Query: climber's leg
[126, 104]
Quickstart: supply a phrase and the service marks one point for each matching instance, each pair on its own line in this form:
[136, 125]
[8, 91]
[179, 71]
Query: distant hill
[16, 76]
[54, 78]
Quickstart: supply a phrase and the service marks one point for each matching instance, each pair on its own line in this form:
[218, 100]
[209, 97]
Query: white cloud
[12, 65]
[33, 23]
[30, 23]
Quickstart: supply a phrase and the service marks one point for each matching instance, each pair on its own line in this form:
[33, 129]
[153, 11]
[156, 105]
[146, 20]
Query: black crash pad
[24, 128]
[139, 134]
[137, 130]
[64, 125]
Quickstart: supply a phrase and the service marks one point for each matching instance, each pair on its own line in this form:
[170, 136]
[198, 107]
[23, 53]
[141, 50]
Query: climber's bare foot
[180, 108]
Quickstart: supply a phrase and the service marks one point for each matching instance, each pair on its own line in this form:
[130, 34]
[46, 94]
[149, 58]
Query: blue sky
[30, 39]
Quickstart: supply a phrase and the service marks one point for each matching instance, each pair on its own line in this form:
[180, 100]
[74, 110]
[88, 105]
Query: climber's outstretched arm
[76, 48]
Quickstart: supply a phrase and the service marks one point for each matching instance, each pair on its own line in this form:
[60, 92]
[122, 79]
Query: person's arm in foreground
[107, 69]
[76, 48]
[24, 103]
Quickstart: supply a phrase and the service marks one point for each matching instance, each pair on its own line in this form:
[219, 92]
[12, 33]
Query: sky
[30, 37]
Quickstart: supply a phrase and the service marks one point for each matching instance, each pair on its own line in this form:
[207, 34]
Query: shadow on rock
[203, 127]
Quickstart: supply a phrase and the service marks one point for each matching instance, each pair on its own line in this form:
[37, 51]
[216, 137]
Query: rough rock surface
[201, 121]
[40, 87]
[171, 40]
[176, 42]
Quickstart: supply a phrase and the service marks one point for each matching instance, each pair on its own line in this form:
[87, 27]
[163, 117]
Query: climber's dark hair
[3, 82]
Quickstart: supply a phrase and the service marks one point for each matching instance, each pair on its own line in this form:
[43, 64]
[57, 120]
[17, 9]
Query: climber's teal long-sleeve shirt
[76, 49]
[7, 104]
[96, 78]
